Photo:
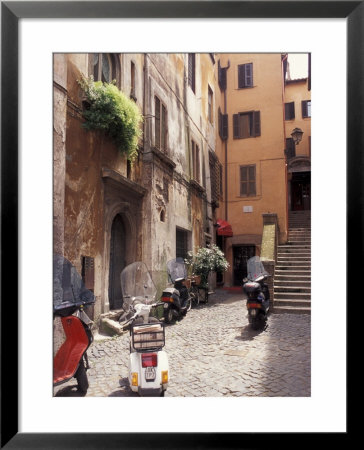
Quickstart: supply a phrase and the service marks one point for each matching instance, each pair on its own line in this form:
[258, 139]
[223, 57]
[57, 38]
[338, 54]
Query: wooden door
[241, 254]
[117, 262]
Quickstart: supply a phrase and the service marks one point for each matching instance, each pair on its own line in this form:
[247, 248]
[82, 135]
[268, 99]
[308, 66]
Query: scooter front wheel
[81, 377]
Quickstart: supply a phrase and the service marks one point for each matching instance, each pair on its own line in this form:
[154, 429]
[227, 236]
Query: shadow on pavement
[124, 390]
[248, 333]
[70, 391]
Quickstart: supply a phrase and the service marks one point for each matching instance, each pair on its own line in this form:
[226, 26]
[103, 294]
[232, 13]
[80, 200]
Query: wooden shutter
[256, 123]
[248, 74]
[251, 180]
[304, 108]
[236, 126]
[221, 72]
[157, 128]
[164, 129]
[191, 70]
[241, 76]
[224, 126]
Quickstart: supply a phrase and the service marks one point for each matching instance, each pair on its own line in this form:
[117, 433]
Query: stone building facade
[108, 212]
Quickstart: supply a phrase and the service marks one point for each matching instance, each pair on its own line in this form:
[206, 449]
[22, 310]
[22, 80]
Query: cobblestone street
[214, 352]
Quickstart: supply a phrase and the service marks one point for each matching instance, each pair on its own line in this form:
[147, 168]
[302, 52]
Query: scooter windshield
[176, 268]
[255, 268]
[137, 282]
[68, 286]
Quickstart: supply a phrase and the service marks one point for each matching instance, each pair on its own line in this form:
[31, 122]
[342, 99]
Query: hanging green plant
[112, 111]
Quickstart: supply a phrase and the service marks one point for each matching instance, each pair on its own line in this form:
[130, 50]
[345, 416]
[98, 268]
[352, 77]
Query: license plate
[150, 374]
[253, 312]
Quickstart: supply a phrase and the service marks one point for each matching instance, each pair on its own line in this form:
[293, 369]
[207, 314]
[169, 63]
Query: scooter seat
[66, 361]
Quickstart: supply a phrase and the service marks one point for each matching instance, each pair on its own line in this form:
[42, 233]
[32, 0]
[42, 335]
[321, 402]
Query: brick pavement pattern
[214, 352]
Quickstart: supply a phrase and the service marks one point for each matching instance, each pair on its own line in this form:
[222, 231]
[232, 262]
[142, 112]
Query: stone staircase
[292, 275]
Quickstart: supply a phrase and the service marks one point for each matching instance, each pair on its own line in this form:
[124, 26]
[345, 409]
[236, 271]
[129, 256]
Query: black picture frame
[11, 12]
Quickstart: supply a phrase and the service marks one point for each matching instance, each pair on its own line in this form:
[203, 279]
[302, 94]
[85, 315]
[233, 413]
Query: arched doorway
[117, 261]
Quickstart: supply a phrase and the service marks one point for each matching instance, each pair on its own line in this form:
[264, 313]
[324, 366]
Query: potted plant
[207, 259]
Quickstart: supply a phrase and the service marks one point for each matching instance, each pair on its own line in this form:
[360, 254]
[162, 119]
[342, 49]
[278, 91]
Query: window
[103, 67]
[246, 124]
[132, 81]
[195, 162]
[245, 75]
[181, 243]
[160, 129]
[210, 111]
[191, 71]
[289, 111]
[290, 148]
[247, 181]
[223, 125]
[306, 108]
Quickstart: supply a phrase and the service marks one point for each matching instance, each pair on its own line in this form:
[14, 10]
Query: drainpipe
[226, 153]
[285, 59]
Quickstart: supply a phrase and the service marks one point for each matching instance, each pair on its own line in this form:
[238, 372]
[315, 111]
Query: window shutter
[164, 129]
[221, 72]
[241, 76]
[157, 123]
[256, 121]
[224, 126]
[248, 74]
[304, 108]
[236, 126]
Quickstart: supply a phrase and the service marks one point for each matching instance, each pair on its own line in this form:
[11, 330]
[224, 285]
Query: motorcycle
[148, 362]
[257, 292]
[176, 299]
[70, 297]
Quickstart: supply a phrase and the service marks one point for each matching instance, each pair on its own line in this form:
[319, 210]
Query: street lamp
[297, 135]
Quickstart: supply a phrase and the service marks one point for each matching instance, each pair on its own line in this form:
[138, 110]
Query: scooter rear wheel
[81, 377]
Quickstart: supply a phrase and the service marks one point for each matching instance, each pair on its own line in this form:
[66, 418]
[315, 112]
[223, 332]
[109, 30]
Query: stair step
[293, 303]
[292, 283]
[291, 310]
[291, 296]
[294, 249]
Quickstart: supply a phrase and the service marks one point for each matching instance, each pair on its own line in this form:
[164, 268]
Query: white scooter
[148, 363]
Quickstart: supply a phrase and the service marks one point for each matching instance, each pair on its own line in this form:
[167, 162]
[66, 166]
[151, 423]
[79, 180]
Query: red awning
[224, 228]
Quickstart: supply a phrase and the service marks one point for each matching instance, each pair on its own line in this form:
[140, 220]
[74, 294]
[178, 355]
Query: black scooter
[176, 299]
[257, 292]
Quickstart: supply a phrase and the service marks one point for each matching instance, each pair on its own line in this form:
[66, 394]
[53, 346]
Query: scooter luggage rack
[148, 336]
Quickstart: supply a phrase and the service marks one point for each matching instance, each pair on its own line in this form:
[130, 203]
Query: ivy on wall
[111, 110]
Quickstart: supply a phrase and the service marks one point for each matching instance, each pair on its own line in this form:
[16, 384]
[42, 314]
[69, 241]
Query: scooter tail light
[167, 299]
[149, 359]
[254, 305]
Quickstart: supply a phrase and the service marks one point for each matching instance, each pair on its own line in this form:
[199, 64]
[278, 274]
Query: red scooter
[69, 299]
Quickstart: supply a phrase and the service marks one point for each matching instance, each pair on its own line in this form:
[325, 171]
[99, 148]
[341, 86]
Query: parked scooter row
[148, 362]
